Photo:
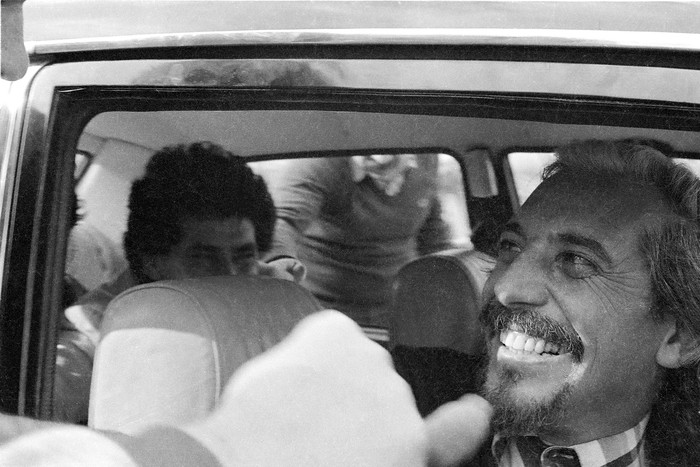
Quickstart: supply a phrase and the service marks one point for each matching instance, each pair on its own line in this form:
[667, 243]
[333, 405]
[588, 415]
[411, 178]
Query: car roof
[85, 20]
[182, 30]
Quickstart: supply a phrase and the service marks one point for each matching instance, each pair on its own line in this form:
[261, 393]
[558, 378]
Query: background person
[353, 222]
[198, 211]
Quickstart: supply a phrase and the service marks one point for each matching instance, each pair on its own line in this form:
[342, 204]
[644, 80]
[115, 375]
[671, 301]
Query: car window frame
[41, 202]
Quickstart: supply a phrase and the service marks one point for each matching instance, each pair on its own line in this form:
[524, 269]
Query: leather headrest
[169, 347]
[437, 300]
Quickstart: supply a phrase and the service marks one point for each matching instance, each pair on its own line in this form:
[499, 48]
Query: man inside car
[198, 211]
[592, 315]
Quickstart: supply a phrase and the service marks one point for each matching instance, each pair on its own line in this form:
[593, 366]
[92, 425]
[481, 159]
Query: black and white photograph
[334, 233]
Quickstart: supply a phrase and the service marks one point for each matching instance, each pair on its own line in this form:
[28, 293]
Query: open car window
[527, 167]
[463, 104]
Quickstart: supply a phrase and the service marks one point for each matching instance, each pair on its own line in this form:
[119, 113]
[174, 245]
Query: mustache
[497, 317]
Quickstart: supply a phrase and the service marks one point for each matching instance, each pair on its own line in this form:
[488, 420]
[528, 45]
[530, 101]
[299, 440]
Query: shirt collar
[621, 450]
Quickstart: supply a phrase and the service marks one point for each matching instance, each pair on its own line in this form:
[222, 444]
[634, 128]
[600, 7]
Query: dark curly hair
[196, 181]
[672, 253]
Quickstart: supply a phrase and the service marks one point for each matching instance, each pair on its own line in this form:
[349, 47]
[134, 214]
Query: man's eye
[507, 250]
[576, 266]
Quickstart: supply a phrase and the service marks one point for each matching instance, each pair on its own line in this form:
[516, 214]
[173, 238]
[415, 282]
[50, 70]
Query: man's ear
[678, 347]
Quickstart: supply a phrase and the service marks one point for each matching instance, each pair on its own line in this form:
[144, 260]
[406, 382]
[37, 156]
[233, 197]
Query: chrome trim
[15, 103]
[509, 37]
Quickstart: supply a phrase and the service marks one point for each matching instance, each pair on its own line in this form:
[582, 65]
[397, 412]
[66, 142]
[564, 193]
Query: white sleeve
[64, 446]
[326, 395]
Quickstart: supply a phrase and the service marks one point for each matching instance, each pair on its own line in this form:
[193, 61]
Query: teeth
[539, 346]
[516, 340]
[529, 345]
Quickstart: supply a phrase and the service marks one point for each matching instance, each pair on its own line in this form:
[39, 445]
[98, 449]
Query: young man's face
[215, 247]
[573, 350]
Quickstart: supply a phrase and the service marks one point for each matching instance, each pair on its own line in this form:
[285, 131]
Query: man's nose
[522, 282]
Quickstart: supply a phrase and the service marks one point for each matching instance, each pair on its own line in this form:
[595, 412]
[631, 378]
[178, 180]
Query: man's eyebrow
[586, 242]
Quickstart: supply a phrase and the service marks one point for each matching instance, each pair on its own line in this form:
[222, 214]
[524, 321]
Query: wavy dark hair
[673, 254]
[196, 181]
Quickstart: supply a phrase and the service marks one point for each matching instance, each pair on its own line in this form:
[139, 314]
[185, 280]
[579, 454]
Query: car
[485, 90]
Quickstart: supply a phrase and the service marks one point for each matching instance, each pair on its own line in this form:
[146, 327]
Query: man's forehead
[593, 204]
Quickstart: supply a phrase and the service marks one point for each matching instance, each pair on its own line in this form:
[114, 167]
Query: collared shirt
[388, 176]
[624, 449]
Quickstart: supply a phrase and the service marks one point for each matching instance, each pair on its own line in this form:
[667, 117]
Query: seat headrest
[169, 347]
[437, 299]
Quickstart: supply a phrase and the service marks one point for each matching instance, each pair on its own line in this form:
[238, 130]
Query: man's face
[573, 347]
[214, 247]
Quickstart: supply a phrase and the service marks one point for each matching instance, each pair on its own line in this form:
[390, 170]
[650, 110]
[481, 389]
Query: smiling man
[593, 313]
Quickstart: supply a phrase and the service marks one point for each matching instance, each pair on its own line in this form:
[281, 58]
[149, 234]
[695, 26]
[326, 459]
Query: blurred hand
[12, 426]
[457, 430]
[326, 395]
[290, 269]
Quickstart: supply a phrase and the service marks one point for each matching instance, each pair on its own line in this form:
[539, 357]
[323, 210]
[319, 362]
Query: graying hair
[673, 255]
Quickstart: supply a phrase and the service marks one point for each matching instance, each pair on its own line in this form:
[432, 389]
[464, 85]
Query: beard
[513, 415]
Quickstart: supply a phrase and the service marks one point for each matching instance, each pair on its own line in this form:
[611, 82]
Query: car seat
[436, 301]
[168, 348]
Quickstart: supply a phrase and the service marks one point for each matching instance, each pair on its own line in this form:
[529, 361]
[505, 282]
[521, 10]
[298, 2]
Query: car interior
[491, 125]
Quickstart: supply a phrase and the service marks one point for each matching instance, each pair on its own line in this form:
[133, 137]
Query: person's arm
[326, 395]
[309, 184]
[458, 430]
[12, 426]
[434, 234]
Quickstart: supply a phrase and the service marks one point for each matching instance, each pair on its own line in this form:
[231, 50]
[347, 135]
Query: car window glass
[527, 167]
[692, 164]
[450, 190]
[121, 143]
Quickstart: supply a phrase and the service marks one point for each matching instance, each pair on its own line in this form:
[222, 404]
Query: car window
[452, 105]
[450, 190]
[527, 167]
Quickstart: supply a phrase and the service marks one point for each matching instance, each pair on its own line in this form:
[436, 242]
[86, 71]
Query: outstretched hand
[326, 395]
[457, 430]
[287, 268]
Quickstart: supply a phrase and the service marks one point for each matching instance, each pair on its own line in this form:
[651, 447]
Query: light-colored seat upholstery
[168, 348]
[437, 299]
